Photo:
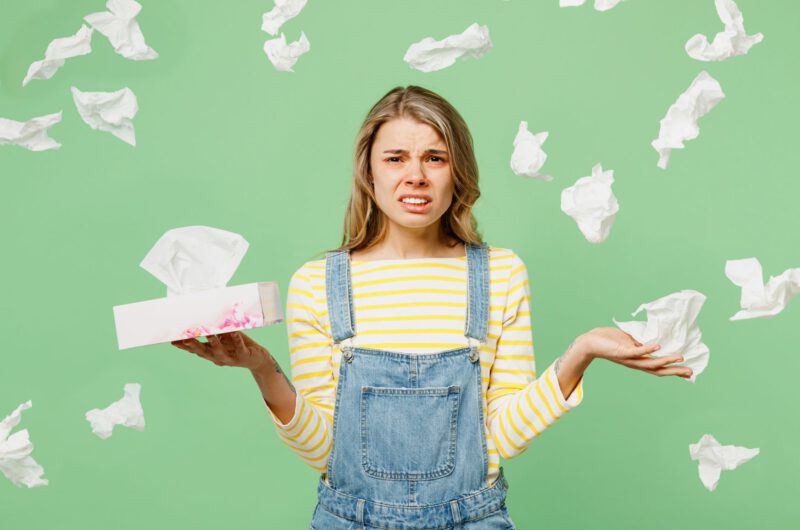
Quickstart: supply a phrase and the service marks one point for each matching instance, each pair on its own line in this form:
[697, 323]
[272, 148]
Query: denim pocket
[409, 433]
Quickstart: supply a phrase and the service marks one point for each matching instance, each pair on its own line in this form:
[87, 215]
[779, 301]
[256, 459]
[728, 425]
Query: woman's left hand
[620, 347]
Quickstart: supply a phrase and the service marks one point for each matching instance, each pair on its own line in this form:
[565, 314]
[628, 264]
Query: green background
[226, 140]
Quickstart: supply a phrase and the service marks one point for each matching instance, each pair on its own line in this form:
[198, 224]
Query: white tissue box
[206, 312]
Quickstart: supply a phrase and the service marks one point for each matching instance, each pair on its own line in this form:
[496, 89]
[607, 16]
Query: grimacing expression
[410, 158]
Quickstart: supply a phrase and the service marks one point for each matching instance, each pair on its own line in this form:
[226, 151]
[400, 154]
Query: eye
[393, 159]
[436, 159]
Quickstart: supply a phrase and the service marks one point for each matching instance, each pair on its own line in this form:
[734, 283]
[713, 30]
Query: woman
[411, 344]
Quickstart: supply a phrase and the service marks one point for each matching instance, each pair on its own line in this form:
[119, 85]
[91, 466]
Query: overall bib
[409, 440]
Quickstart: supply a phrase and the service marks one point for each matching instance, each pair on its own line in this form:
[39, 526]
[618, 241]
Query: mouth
[416, 207]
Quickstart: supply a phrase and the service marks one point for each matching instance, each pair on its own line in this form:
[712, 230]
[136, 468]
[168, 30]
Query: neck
[403, 243]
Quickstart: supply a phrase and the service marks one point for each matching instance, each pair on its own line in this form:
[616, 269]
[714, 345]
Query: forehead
[407, 133]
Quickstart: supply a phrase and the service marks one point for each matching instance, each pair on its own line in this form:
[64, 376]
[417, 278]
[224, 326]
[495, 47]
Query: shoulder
[503, 256]
[507, 264]
[309, 272]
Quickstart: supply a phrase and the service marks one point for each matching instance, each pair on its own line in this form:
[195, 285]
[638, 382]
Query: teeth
[414, 201]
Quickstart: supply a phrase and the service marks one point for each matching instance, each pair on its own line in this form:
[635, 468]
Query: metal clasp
[474, 354]
[347, 354]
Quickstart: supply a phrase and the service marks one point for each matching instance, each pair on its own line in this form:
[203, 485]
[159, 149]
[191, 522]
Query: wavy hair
[364, 224]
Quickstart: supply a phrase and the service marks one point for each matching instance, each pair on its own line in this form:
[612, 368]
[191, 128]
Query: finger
[217, 350]
[643, 350]
[205, 354]
[196, 347]
[216, 345]
[239, 341]
[633, 339]
[246, 339]
[651, 363]
[179, 344]
[681, 371]
[228, 344]
[190, 345]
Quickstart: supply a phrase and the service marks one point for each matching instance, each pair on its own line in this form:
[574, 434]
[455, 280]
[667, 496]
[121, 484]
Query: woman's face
[410, 159]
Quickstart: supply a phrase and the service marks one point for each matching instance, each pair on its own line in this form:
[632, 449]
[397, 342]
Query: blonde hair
[364, 224]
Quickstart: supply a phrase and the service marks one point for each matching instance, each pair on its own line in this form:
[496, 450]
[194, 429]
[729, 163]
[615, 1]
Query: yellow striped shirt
[418, 305]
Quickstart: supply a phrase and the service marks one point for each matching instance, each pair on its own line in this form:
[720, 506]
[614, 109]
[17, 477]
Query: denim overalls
[409, 441]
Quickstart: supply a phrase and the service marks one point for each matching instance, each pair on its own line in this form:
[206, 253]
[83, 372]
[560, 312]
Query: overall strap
[339, 292]
[478, 297]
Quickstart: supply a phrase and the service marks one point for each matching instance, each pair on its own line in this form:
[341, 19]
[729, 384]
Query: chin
[418, 222]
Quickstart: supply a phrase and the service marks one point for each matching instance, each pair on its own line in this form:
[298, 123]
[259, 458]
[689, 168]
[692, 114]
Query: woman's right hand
[228, 349]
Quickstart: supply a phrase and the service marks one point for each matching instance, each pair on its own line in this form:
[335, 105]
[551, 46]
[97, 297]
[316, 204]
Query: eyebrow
[403, 151]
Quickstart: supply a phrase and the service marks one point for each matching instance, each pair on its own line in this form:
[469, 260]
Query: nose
[416, 174]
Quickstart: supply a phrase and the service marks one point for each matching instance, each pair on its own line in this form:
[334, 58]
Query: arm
[520, 405]
[278, 392]
[303, 417]
[308, 430]
[570, 367]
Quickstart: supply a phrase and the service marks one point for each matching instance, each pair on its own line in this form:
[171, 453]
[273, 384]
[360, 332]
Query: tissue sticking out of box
[195, 258]
[195, 263]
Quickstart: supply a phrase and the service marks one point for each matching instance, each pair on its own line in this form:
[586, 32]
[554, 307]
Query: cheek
[383, 192]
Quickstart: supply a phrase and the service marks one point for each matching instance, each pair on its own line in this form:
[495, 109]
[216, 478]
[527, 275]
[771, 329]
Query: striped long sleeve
[520, 405]
[309, 432]
[418, 306]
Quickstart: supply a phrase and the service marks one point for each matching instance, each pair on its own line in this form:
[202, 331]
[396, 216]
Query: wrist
[580, 350]
[264, 365]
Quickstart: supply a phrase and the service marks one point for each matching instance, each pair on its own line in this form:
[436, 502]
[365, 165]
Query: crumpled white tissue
[126, 412]
[680, 123]
[58, 51]
[729, 43]
[283, 56]
[109, 111]
[195, 258]
[759, 300]
[120, 26]
[592, 204]
[599, 5]
[283, 11]
[429, 55]
[528, 157]
[16, 461]
[31, 134]
[672, 323]
[713, 458]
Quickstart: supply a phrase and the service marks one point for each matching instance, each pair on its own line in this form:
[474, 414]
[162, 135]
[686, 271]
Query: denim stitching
[453, 403]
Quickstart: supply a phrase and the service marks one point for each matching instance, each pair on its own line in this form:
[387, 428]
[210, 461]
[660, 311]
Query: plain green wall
[226, 140]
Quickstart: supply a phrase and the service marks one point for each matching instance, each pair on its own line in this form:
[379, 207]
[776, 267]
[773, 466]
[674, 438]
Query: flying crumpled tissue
[58, 51]
[282, 11]
[680, 123]
[31, 134]
[119, 25]
[729, 43]
[712, 458]
[758, 299]
[16, 462]
[429, 55]
[126, 412]
[592, 204]
[109, 111]
[528, 156]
